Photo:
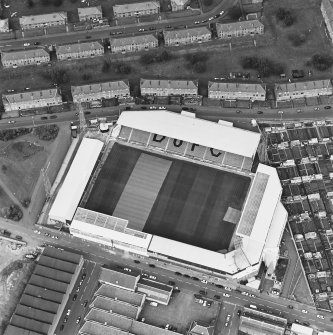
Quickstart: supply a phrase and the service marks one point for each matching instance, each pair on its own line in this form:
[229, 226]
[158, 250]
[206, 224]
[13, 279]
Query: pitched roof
[43, 18]
[4, 27]
[135, 7]
[179, 2]
[31, 95]
[236, 87]
[183, 33]
[78, 47]
[303, 86]
[200, 328]
[234, 26]
[90, 11]
[24, 54]
[100, 87]
[175, 84]
[327, 6]
[140, 39]
[123, 279]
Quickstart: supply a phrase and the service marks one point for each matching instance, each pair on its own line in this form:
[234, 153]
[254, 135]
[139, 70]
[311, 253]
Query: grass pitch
[190, 206]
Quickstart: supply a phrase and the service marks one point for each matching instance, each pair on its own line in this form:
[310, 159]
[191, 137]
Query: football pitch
[190, 206]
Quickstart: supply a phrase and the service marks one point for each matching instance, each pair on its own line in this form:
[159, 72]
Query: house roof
[119, 278]
[100, 87]
[303, 86]
[235, 26]
[200, 328]
[183, 33]
[135, 7]
[78, 47]
[179, 2]
[236, 87]
[24, 54]
[85, 11]
[136, 40]
[193, 130]
[43, 18]
[30, 95]
[174, 84]
[4, 27]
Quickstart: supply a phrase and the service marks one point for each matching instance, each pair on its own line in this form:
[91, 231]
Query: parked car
[320, 317]
[216, 296]
[43, 118]
[65, 319]
[172, 283]
[226, 295]
[219, 286]
[204, 281]
[83, 276]
[62, 327]
[136, 261]
[153, 303]
[74, 297]
[202, 292]
[260, 112]
[11, 121]
[85, 303]
[178, 273]
[152, 277]
[291, 306]
[227, 288]
[304, 311]
[78, 319]
[53, 116]
[195, 278]
[151, 265]
[127, 269]
[327, 107]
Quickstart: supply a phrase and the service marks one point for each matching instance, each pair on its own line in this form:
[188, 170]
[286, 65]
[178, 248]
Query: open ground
[190, 205]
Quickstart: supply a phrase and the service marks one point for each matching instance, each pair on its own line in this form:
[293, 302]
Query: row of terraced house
[37, 56]
[156, 87]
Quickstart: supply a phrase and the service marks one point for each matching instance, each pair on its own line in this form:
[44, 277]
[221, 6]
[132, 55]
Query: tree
[321, 62]
[106, 66]
[14, 213]
[147, 58]
[57, 3]
[31, 3]
[207, 3]
[200, 67]
[4, 168]
[235, 13]
[86, 76]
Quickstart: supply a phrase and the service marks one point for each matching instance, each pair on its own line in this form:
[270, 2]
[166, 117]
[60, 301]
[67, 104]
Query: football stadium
[176, 188]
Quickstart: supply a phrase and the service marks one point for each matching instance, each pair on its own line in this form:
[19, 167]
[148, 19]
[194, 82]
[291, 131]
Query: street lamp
[281, 114]
[33, 122]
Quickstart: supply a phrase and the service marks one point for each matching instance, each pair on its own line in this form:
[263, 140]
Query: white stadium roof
[193, 130]
[301, 330]
[265, 214]
[76, 180]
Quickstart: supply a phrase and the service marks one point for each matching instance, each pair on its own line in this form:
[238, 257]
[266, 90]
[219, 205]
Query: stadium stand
[157, 142]
[125, 133]
[233, 160]
[139, 136]
[176, 146]
[195, 151]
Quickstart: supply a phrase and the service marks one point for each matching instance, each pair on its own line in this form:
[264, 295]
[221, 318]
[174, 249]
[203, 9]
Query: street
[98, 255]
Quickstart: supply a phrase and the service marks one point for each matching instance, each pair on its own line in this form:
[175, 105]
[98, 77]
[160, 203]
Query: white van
[153, 303]
[253, 306]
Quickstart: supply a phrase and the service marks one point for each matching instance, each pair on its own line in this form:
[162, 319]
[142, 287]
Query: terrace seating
[197, 151]
[176, 146]
[125, 133]
[139, 136]
[233, 160]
